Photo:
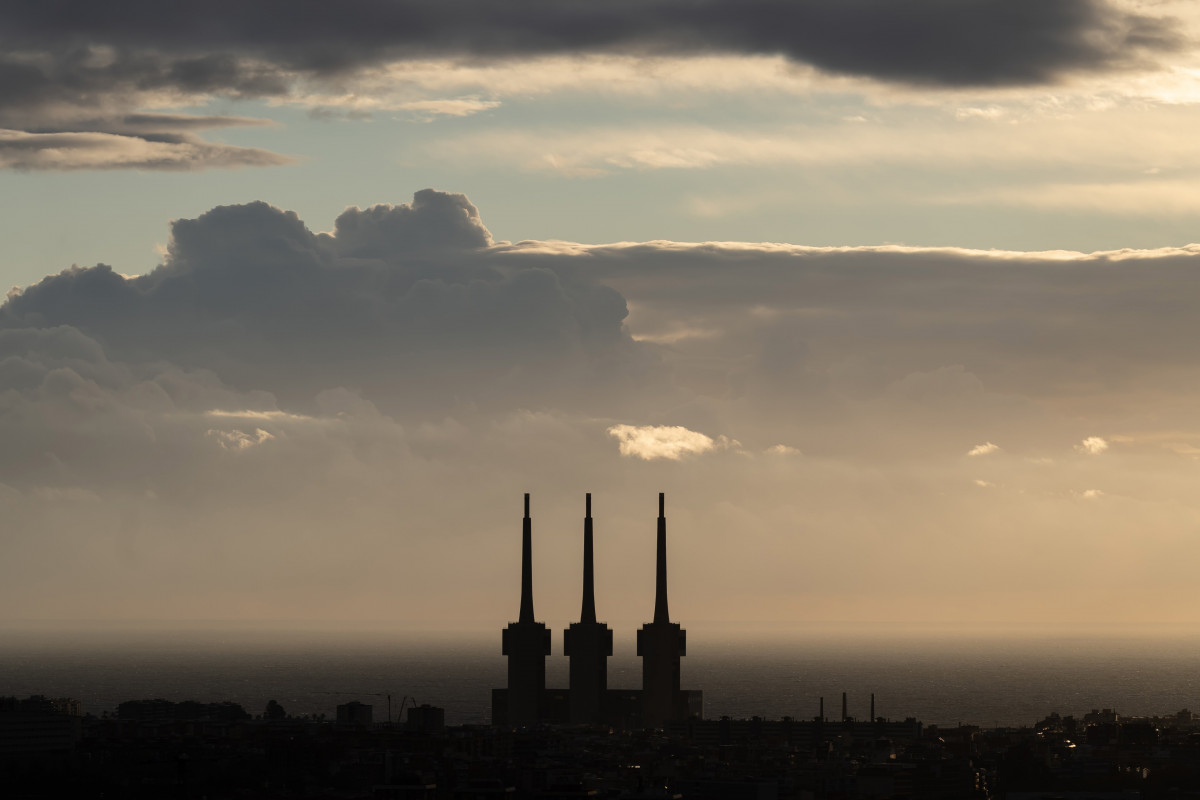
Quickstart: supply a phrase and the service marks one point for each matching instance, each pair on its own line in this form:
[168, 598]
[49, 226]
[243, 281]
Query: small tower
[526, 643]
[661, 644]
[588, 643]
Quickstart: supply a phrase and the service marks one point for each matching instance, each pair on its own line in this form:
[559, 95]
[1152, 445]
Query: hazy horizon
[914, 633]
[982, 680]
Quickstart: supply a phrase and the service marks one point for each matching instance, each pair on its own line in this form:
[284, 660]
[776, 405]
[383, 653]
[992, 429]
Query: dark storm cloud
[400, 298]
[784, 323]
[952, 300]
[417, 307]
[83, 67]
[950, 42]
[74, 107]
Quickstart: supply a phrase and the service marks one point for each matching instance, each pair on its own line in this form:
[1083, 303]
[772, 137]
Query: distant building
[160, 710]
[38, 730]
[39, 704]
[354, 713]
[426, 719]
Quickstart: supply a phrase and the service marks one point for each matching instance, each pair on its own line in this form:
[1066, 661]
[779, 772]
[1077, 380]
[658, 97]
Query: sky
[895, 301]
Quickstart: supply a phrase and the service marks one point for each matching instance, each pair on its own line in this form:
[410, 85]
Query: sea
[944, 676]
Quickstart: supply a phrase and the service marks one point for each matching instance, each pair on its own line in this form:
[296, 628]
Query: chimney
[872, 706]
[660, 591]
[821, 713]
[588, 614]
[526, 566]
[845, 716]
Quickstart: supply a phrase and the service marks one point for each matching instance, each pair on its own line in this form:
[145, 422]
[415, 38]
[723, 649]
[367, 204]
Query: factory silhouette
[588, 644]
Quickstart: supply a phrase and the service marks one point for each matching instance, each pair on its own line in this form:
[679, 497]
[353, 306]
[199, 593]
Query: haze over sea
[941, 676]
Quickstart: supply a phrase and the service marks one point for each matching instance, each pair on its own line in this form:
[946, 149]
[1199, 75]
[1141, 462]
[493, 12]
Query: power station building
[588, 644]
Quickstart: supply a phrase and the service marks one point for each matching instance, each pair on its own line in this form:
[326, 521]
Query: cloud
[433, 220]
[97, 150]
[391, 85]
[1152, 198]
[1092, 446]
[263, 415]
[73, 105]
[649, 442]
[899, 336]
[1091, 494]
[1057, 136]
[928, 41]
[239, 440]
[395, 295]
[460, 107]
[412, 312]
[68, 70]
[985, 449]
[273, 396]
[991, 112]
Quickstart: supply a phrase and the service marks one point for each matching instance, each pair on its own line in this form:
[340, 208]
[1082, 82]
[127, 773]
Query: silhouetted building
[354, 713]
[426, 719]
[588, 643]
[40, 704]
[160, 710]
[37, 730]
[526, 643]
[661, 644]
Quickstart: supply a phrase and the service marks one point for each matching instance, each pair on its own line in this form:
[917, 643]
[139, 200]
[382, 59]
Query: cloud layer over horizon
[326, 405]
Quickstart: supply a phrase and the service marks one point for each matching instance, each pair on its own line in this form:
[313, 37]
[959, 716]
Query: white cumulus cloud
[649, 442]
[239, 440]
[1092, 446]
[987, 448]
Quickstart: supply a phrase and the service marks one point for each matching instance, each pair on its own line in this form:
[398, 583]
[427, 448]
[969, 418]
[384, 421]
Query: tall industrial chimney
[526, 643]
[526, 566]
[661, 612]
[588, 643]
[661, 644]
[588, 611]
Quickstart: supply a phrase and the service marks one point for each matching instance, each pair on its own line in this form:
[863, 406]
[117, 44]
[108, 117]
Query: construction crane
[388, 695]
